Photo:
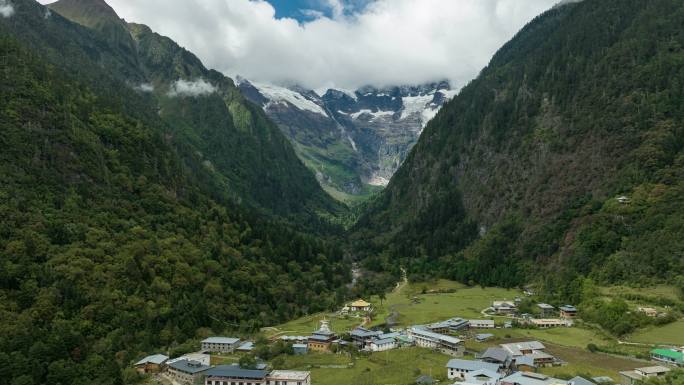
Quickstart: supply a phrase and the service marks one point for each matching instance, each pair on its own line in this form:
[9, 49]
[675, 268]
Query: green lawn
[669, 334]
[305, 325]
[399, 367]
[464, 302]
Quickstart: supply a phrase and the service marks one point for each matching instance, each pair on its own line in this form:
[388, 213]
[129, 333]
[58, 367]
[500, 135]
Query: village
[471, 353]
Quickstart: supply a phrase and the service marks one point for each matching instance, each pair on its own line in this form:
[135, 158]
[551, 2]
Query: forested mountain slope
[119, 234]
[522, 171]
[203, 107]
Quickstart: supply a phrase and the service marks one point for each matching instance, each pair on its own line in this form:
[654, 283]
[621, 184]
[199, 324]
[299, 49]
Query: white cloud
[191, 88]
[382, 42]
[147, 87]
[6, 8]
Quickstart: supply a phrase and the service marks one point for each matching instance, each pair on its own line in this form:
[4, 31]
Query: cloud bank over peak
[360, 42]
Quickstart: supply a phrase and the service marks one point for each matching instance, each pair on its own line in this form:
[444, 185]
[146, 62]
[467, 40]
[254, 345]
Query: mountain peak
[89, 13]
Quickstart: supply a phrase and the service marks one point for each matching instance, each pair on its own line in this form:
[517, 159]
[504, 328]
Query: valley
[429, 302]
[162, 222]
[353, 141]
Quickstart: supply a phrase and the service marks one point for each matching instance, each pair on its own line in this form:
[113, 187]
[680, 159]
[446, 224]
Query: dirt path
[400, 285]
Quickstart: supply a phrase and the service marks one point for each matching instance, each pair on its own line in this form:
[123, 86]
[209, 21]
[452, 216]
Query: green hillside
[121, 229]
[256, 162]
[522, 171]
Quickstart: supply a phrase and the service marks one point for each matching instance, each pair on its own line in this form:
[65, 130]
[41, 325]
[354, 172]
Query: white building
[459, 369]
[517, 349]
[445, 344]
[382, 344]
[481, 324]
[220, 344]
[288, 377]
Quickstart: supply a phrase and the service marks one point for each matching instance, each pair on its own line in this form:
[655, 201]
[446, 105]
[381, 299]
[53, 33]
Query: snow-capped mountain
[353, 140]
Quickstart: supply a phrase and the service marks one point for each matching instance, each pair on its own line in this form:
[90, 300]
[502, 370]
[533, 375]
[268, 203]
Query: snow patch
[414, 105]
[374, 115]
[191, 88]
[448, 94]
[284, 95]
[6, 9]
[427, 115]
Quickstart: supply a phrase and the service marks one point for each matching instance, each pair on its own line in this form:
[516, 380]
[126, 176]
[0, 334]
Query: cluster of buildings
[196, 367]
[186, 370]
[548, 315]
[508, 364]
[502, 361]
[437, 336]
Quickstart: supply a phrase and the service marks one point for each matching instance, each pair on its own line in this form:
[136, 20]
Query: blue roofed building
[186, 371]
[234, 374]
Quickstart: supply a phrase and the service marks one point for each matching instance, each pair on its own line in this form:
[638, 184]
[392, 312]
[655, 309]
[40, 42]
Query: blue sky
[292, 8]
[297, 9]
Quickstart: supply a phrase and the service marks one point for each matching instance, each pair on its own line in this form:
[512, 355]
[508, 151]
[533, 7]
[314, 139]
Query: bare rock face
[353, 140]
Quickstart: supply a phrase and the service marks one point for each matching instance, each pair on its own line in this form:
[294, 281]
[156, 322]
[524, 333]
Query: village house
[483, 337]
[300, 349]
[504, 307]
[226, 374]
[534, 360]
[458, 369]
[638, 375]
[669, 356]
[517, 349]
[322, 339]
[445, 344]
[361, 336]
[380, 345]
[288, 377]
[545, 310]
[529, 378]
[151, 364]
[246, 347]
[295, 339]
[568, 312]
[449, 326]
[220, 344]
[186, 372]
[482, 377]
[359, 306]
[497, 356]
[550, 323]
[481, 324]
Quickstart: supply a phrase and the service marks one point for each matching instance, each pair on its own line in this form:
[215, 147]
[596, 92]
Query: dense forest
[121, 229]
[564, 159]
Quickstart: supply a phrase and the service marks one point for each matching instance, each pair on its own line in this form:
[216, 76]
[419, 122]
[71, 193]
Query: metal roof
[471, 365]
[221, 340]
[497, 354]
[581, 381]
[232, 371]
[153, 359]
[191, 367]
[673, 354]
[289, 375]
